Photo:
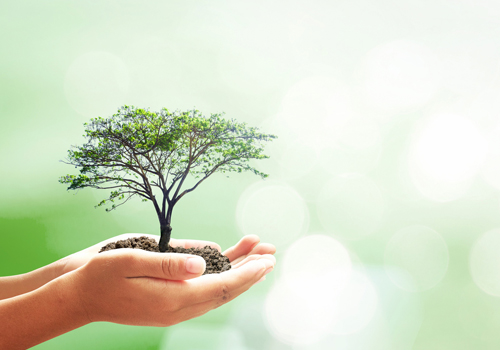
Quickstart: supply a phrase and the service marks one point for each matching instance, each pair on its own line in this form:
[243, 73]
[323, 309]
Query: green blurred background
[383, 196]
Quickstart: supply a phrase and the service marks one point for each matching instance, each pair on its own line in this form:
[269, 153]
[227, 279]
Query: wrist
[12, 286]
[70, 295]
[40, 315]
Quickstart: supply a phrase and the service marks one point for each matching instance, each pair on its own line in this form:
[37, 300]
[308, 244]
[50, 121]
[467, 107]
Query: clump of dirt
[216, 262]
[143, 242]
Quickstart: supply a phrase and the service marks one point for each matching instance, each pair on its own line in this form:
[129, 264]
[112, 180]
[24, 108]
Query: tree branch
[176, 199]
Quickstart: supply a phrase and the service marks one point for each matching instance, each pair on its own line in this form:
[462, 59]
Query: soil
[216, 262]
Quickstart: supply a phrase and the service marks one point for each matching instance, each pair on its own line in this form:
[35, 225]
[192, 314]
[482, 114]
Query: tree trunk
[165, 231]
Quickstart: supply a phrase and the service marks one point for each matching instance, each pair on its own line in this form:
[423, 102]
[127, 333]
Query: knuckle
[173, 306]
[218, 303]
[222, 293]
[129, 259]
[99, 262]
[169, 267]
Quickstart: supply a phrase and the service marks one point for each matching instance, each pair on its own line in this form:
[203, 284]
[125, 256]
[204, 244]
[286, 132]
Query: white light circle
[295, 319]
[318, 293]
[356, 305]
[485, 262]
[450, 148]
[350, 206]
[447, 152]
[96, 83]
[400, 75]
[317, 260]
[491, 168]
[300, 308]
[420, 255]
[273, 211]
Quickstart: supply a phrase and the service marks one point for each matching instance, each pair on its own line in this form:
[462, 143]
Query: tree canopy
[137, 152]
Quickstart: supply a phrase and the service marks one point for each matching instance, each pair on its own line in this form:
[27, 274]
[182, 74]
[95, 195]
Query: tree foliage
[147, 154]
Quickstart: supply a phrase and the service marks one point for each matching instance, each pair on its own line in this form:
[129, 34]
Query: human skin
[158, 289]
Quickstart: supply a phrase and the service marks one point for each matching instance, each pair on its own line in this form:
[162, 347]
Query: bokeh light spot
[319, 293]
[420, 256]
[447, 153]
[485, 262]
[491, 168]
[400, 75]
[296, 320]
[450, 148]
[350, 206]
[300, 308]
[356, 305]
[316, 259]
[274, 211]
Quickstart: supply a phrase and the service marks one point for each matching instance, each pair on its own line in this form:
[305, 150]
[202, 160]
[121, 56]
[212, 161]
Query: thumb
[171, 266]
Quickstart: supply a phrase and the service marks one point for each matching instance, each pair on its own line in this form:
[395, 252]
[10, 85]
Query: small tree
[150, 154]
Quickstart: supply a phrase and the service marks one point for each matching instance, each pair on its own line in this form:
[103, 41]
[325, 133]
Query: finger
[195, 310]
[264, 248]
[261, 248]
[219, 286]
[171, 266]
[243, 247]
[261, 280]
[254, 257]
[189, 243]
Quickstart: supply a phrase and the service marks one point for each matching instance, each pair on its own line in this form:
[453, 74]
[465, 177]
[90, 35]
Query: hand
[128, 286]
[136, 287]
[246, 247]
[249, 248]
[74, 261]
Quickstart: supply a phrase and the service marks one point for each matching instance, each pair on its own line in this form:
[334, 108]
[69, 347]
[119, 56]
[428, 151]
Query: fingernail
[268, 263]
[262, 279]
[195, 265]
[268, 270]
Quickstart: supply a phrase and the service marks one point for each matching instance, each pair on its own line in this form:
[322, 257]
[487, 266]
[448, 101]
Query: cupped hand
[247, 247]
[78, 259]
[136, 287]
